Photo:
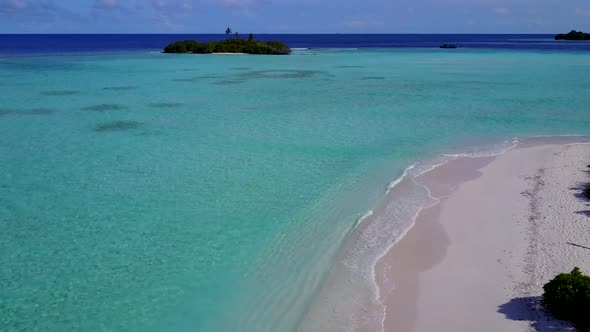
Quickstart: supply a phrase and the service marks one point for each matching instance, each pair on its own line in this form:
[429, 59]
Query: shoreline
[352, 294]
[228, 53]
[446, 274]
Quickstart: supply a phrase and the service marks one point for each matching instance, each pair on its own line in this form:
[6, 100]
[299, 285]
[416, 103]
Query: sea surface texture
[142, 191]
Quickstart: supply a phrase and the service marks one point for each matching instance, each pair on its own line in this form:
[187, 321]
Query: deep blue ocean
[143, 191]
[92, 43]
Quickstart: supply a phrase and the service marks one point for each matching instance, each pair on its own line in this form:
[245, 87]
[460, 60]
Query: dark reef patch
[249, 108]
[60, 93]
[38, 111]
[120, 88]
[41, 67]
[27, 112]
[166, 105]
[229, 82]
[368, 78]
[196, 78]
[349, 66]
[280, 74]
[208, 77]
[6, 111]
[245, 75]
[117, 126]
[105, 108]
[189, 79]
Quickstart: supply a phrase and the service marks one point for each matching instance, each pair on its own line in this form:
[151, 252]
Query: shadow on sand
[530, 309]
[580, 191]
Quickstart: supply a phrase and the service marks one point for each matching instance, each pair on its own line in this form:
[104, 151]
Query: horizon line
[285, 33]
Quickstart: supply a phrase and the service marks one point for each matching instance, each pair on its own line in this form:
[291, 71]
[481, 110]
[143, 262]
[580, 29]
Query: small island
[573, 35]
[235, 45]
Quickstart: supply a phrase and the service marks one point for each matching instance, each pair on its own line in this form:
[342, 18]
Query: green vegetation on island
[567, 297]
[573, 35]
[229, 45]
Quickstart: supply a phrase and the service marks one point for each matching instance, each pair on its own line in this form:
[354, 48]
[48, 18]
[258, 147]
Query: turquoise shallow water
[213, 193]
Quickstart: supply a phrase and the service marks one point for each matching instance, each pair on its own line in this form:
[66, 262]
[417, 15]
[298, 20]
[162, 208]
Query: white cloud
[364, 24]
[106, 4]
[236, 3]
[170, 13]
[171, 6]
[12, 5]
[502, 10]
[241, 3]
[44, 9]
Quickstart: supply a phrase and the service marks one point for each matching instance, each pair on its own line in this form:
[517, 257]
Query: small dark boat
[448, 46]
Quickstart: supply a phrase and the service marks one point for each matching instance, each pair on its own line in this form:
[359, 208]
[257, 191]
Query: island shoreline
[438, 264]
[351, 297]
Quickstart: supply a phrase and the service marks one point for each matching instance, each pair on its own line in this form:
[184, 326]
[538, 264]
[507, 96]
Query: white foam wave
[563, 135]
[398, 215]
[364, 217]
[487, 151]
[398, 180]
[433, 165]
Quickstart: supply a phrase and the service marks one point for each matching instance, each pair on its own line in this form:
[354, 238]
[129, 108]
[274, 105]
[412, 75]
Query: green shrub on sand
[567, 297]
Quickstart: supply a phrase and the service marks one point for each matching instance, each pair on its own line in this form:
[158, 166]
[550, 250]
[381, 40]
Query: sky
[294, 16]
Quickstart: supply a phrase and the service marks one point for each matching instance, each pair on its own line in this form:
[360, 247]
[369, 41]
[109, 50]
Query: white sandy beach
[478, 260]
[228, 53]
